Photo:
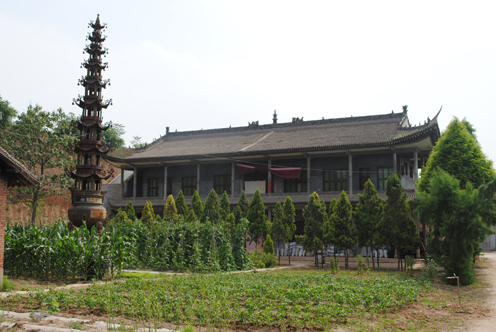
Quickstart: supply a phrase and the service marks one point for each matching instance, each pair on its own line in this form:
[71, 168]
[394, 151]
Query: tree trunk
[373, 262]
[346, 267]
[315, 258]
[378, 258]
[279, 253]
[366, 254]
[35, 205]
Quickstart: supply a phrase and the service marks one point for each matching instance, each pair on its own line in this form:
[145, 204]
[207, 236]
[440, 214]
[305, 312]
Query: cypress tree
[258, 226]
[211, 209]
[342, 225]
[268, 245]
[288, 218]
[329, 231]
[401, 230]
[181, 206]
[315, 216]
[190, 217]
[224, 207]
[170, 210]
[148, 216]
[367, 217]
[197, 204]
[243, 204]
[279, 230]
[131, 214]
[458, 153]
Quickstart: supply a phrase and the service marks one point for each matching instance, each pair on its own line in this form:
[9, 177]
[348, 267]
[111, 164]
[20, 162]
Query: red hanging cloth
[288, 173]
[245, 169]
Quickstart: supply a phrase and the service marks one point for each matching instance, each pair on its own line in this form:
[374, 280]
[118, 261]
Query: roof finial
[274, 118]
[97, 19]
[405, 108]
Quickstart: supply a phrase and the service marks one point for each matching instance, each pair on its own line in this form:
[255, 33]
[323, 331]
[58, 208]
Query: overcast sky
[200, 64]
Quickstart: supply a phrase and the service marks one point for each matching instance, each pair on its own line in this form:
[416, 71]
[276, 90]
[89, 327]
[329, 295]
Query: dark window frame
[188, 185]
[383, 174]
[222, 183]
[335, 180]
[363, 176]
[153, 190]
[296, 185]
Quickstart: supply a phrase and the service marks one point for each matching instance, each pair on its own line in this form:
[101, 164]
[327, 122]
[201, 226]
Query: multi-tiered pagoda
[87, 197]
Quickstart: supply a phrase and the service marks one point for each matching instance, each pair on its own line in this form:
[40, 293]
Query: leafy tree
[136, 142]
[258, 226]
[148, 216]
[181, 206]
[329, 230]
[131, 214]
[243, 204]
[211, 209]
[315, 216]
[7, 112]
[170, 210]
[113, 136]
[268, 245]
[401, 231]
[197, 204]
[459, 220]
[368, 217]
[33, 140]
[458, 153]
[224, 207]
[342, 225]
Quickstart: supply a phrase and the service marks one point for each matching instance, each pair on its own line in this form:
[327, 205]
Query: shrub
[359, 260]
[409, 262]
[268, 245]
[7, 284]
[432, 269]
[262, 260]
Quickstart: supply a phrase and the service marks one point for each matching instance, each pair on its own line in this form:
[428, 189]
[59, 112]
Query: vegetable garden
[295, 299]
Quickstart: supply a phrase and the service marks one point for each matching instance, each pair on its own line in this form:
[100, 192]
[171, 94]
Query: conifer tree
[170, 210]
[258, 226]
[224, 207]
[190, 217]
[315, 216]
[181, 206]
[268, 245]
[342, 225]
[197, 204]
[458, 153]
[131, 214]
[288, 218]
[279, 229]
[367, 217]
[148, 216]
[401, 230]
[459, 220]
[211, 209]
[243, 204]
[237, 215]
[329, 231]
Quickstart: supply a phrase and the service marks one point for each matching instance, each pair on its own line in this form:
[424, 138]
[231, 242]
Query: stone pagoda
[87, 197]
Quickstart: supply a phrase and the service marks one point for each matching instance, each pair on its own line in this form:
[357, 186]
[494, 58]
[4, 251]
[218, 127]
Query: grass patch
[145, 275]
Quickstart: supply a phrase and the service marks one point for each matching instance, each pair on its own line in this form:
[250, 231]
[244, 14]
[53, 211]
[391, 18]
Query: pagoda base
[92, 214]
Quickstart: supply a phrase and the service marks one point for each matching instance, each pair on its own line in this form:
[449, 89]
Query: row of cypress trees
[373, 223]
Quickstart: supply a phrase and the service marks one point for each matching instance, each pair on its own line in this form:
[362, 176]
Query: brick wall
[3, 221]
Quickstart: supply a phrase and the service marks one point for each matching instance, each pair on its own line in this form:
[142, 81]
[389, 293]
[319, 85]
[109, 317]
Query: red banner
[287, 172]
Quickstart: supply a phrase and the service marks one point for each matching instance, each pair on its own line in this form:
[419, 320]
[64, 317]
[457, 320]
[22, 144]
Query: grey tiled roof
[20, 171]
[328, 134]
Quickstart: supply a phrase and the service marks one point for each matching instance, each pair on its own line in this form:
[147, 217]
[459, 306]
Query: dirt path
[487, 275]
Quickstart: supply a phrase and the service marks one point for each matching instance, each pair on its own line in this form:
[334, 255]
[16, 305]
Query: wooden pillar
[165, 183]
[269, 178]
[123, 192]
[135, 182]
[233, 173]
[198, 178]
[3, 221]
[350, 174]
[415, 166]
[309, 190]
[395, 164]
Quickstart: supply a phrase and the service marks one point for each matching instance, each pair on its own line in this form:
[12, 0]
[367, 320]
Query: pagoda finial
[274, 118]
[97, 19]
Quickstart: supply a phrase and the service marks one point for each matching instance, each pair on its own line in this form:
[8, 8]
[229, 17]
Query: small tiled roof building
[12, 174]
